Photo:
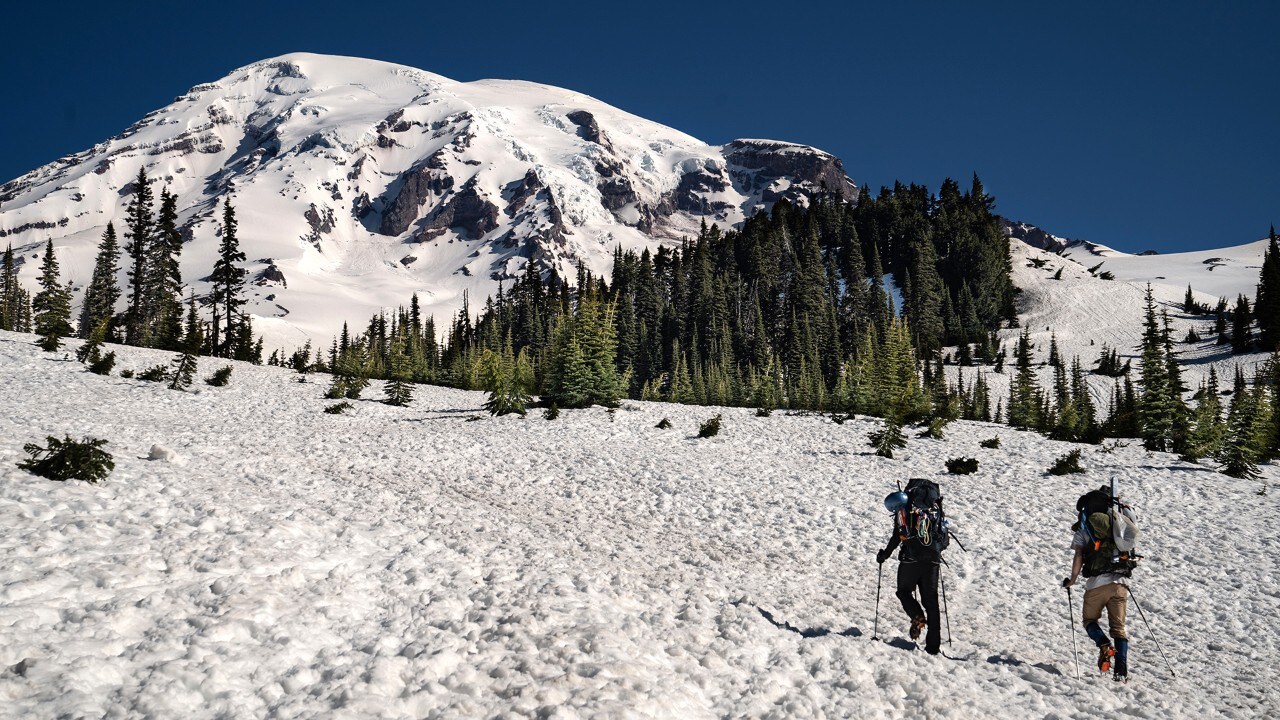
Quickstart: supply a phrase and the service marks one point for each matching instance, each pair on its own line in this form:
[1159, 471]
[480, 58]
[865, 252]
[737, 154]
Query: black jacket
[912, 549]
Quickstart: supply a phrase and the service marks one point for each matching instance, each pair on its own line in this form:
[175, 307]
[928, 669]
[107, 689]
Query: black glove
[883, 555]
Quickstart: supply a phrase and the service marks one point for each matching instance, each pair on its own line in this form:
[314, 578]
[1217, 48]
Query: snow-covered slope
[359, 182]
[432, 561]
[1085, 311]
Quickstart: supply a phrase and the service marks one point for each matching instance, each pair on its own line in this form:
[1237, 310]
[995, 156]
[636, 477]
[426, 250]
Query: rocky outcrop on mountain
[417, 187]
[270, 275]
[588, 128]
[466, 210]
[782, 170]
[1034, 236]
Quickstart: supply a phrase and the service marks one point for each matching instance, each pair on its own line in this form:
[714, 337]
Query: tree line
[154, 314]
[789, 311]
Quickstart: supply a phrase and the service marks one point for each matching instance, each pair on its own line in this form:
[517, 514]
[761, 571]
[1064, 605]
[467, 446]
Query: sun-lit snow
[1084, 311]
[432, 561]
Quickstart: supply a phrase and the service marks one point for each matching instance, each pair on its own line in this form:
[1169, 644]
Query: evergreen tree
[583, 369]
[1239, 455]
[507, 379]
[1156, 412]
[1125, 422]
[184, 369]
[1024, 390]
[103, 292]
[1084, 426]
[15, 301]
[898, 381]
[352, 375]
[773, 314]
[139, 231]
[52, 305]
[1268, 299]
[1262, 425]
[228, 280]
[1181, 414]
[164, 281]
[1270, 378]
[8, 289]
[398, 390]
[1207, 429]
[888, 438]
[91, 350]
[1241, 326]
[1220, 322]
[193, 330]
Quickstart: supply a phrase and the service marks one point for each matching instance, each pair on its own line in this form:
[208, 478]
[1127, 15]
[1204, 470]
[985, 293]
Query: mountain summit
[358, 182]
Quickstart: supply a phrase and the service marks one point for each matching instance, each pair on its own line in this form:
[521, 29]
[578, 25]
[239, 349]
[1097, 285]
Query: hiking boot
[1121, 671]
[916, 626]
[1106, 652]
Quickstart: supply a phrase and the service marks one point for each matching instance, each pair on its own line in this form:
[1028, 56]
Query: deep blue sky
[1139, 125]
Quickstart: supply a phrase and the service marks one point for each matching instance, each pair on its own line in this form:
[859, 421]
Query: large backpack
[1111, 531]
[922, 524]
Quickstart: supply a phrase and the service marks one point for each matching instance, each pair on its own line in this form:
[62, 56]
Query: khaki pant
[1115, 598]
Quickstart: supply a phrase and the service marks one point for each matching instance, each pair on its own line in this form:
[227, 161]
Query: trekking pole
[943, 581]
[1075, 651]
[1152, 633]
[875, 632]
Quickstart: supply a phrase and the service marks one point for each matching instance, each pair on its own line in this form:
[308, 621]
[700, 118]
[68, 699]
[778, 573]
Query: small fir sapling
[103, 365]
[888, 438]
[91, 349]
[710, 428]
[156, 373]
[934, 430]
[398, 390]
[1066, 464]
[90, 352]
[220, 377]
[184, 371]
[69, 459]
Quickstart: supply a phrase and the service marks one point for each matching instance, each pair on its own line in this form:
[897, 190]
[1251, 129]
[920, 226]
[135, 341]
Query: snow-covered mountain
[358, 182]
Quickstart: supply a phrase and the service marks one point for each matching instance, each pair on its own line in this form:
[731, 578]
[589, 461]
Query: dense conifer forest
[791, 311]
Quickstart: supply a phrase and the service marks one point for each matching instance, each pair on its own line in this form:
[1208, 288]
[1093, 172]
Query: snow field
[1085, 312]
[413, 562]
